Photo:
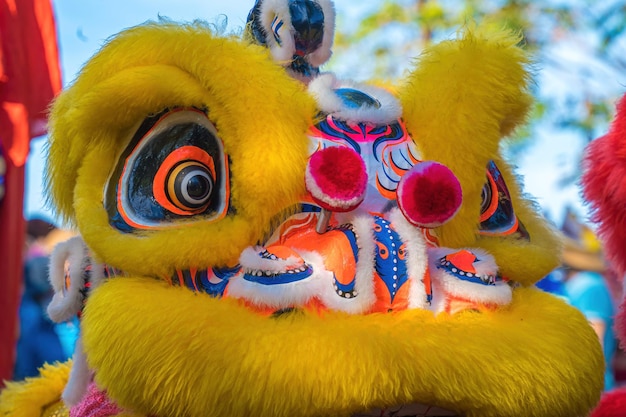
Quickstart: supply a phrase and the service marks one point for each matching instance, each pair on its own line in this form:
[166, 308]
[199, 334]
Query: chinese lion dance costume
[261, 238]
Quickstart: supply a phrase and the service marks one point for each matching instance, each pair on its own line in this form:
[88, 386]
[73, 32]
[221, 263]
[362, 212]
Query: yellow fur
[35, 397]
[537, 357]
[144, 70]
[459, 102]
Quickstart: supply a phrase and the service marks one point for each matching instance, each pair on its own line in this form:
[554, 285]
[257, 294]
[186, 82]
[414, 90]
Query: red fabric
[29, 72]
[29, 79]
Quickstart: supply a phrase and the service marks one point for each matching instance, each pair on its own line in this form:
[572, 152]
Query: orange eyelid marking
[159, 185]
[493, 204]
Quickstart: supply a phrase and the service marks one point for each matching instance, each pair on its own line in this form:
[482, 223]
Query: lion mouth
[409, 410]
[285, 272]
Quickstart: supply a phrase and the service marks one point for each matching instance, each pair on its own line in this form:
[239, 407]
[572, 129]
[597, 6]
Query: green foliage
[579, 44]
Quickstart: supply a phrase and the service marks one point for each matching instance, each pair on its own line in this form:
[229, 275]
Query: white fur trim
[97, 275]
[79, 377]
[322, 89]
[66, 303]
[251, 260]
[291, 294]
[499, 294]
[416, 258]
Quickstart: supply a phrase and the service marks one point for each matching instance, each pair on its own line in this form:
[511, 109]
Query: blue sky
[83, 26]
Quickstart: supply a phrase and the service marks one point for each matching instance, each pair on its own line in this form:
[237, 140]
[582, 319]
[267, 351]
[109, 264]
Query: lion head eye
[174, 168]
[497, 216]
[184, 183]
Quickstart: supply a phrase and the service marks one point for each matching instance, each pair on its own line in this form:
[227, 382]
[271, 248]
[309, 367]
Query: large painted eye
[497, 217]
[173, 169]
[189, 186]
[185, 181]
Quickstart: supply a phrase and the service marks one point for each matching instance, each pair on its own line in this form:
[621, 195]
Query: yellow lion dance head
[264, 239]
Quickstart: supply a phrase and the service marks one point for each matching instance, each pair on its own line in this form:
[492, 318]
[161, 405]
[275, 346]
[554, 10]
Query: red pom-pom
[429, 194]
[336, 177]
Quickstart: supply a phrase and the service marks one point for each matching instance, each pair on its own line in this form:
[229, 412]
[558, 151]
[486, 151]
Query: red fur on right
[604, 187]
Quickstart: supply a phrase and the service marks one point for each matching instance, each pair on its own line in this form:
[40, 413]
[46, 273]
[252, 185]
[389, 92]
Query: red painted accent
[463, 260]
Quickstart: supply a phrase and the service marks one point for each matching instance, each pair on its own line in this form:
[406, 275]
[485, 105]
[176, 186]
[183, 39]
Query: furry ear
[460, 99]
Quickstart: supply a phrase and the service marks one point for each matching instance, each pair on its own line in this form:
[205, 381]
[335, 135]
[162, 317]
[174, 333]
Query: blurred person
[585, 287]
[38, 341]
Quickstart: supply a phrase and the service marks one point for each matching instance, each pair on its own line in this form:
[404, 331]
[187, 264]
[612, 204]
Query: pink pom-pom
[336, 177]
[429, 194]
